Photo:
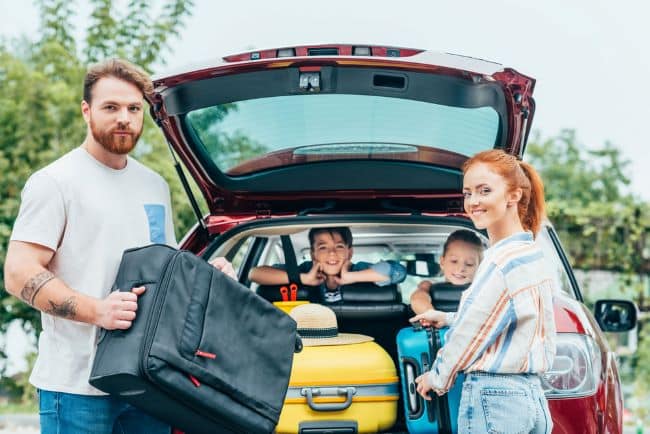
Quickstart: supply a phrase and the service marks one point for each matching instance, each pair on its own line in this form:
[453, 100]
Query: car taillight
[576, 367]
[361, 51]
[286, 52]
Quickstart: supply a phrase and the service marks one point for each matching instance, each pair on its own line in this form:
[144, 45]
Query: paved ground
[28, 424]
[19, 424]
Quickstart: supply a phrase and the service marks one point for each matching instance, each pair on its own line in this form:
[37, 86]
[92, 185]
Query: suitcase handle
[310, 393]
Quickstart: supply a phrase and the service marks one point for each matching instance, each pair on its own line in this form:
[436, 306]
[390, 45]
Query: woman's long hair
[517, 174]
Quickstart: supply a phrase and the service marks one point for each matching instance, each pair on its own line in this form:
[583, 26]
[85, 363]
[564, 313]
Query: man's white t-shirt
[88, 214]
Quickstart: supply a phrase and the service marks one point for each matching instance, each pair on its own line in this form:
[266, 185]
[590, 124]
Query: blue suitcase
[417, 347]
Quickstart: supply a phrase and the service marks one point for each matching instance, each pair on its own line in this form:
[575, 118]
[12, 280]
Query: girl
[503, 335]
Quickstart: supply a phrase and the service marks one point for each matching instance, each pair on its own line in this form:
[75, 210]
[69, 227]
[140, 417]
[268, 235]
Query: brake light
[361, 51]
[286, 52]
[576, 368]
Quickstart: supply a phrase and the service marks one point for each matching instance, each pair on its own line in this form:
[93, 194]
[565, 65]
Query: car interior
[416, 241]
[366, 308]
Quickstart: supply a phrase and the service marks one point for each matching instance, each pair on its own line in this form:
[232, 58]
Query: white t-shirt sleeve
[42, 217]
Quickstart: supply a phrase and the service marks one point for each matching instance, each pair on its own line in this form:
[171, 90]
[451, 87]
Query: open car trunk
[348, 133]
[377, 311]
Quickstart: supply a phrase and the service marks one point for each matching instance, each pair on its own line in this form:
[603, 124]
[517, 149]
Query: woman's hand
[314, 277]
[424, 387]
[431, 318]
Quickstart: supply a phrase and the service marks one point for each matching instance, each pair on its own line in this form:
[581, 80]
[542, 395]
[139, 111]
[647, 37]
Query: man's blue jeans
[67, 413]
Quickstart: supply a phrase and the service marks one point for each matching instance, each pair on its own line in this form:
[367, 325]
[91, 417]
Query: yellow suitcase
[350, 388]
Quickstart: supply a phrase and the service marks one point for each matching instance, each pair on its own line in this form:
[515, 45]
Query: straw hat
[317, 326]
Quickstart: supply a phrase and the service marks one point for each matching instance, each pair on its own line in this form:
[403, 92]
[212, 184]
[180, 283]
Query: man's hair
[343, 231]
[118, 68]
[465, 236]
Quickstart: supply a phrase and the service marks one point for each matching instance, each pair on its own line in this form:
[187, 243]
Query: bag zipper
[151, 327]
[155, 313]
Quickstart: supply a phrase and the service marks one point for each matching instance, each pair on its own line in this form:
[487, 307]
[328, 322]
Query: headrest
[446, 296]
[446, 291]
[370, 293]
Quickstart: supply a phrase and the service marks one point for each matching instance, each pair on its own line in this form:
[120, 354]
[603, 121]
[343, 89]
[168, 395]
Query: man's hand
[314, 277]
[223, 265]
[117, 311]
[430, 318]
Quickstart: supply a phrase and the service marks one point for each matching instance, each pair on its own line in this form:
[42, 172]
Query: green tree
[579, 176]
[41, 84]
[226, 150]
[600, 223]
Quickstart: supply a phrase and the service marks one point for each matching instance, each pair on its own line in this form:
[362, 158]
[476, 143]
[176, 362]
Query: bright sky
[588, 56]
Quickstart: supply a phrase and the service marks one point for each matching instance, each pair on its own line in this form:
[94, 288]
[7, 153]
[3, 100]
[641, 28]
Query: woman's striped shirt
[505, 321]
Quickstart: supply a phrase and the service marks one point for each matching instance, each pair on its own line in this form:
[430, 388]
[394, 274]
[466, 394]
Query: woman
[503, 335]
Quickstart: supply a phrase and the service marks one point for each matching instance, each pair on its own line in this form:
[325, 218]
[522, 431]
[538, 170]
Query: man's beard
[116, 144]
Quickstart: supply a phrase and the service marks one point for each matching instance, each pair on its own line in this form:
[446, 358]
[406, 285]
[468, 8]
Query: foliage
[40, 117]
[38, 122]
[30, 407]
[124, 35]
[601, 224]
[226, 150]
[579, 176]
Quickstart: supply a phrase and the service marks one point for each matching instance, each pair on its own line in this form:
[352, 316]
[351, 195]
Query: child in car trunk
[331, 266]
[461, 255]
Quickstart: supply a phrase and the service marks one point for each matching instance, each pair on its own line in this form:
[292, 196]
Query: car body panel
[603, 410]
[575, 416]
[280, 180]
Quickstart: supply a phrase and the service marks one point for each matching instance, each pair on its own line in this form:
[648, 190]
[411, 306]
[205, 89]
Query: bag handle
[311, 393]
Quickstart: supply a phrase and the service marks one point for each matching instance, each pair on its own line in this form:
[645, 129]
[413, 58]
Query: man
[77, 216]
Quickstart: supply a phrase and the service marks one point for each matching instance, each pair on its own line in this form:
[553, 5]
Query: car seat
[372, 310]
[445, 296]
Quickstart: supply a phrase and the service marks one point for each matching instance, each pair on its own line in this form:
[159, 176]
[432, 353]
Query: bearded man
[77, 216]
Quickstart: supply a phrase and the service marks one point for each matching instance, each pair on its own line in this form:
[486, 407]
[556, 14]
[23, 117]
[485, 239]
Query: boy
[331, 266]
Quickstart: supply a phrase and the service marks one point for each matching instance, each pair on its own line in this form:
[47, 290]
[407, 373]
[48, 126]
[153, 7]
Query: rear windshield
[327, 126]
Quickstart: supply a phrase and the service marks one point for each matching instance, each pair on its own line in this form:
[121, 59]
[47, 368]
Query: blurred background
[589, 141]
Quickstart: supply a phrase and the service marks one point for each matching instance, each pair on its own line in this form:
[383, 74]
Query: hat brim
[340, 339]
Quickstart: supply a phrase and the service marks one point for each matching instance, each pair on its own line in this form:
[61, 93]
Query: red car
[372, 137]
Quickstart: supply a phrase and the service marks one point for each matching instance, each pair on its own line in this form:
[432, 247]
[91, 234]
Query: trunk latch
[263, 214]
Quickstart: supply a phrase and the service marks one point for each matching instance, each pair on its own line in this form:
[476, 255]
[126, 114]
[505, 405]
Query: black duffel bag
[204, 353]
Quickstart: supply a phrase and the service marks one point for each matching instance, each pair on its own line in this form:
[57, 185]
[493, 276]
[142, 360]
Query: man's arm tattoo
[66, 309]
[33, 285]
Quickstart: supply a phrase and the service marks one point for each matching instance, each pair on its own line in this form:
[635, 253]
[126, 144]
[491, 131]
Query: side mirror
[615, 315]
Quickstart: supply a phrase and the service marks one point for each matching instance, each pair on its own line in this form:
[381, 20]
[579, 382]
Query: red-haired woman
[503, 335]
